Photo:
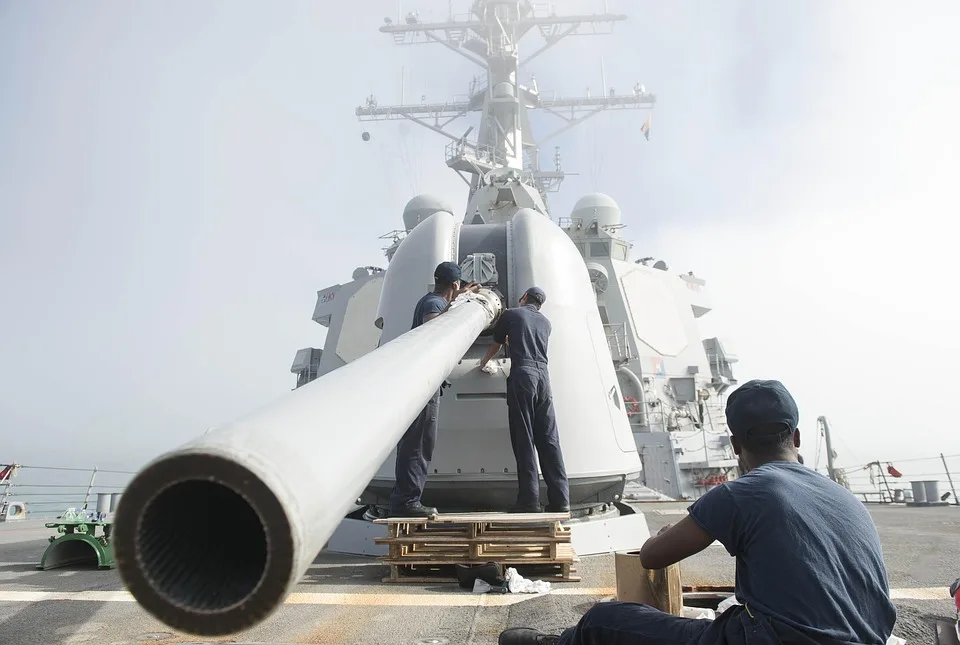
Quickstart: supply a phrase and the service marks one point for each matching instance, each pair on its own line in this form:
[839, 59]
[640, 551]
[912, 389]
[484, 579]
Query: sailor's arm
[434, 309]
[499, 338]
[471, 286]
[674, 543]
[714, 516]
[492, 351]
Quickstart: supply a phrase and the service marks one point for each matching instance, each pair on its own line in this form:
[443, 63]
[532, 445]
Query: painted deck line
[322, 565]
[38, 596]
[368, 599]
[922, 593]
[301, 598]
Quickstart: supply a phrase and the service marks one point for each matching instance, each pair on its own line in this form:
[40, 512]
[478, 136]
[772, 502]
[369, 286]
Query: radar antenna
[488, 36]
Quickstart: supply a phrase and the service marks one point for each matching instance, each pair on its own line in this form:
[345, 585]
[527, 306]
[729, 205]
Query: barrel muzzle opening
[203, 544]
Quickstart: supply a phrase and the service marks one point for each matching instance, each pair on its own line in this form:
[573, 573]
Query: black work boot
[413, 510]
[491, 573]
[564, 508]
[526, 636]
[525, 508]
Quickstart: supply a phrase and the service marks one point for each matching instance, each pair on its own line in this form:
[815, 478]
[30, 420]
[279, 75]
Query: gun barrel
[210, 538]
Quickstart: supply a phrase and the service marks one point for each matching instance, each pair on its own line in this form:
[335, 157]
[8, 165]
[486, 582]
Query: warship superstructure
[669, 383]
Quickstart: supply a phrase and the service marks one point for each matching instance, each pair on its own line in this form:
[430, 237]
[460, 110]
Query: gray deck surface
[922, 550]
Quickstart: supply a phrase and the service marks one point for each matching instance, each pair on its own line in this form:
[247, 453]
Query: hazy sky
[178, 179]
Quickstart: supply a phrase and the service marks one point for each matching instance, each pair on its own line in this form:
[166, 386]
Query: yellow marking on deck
[38, 596]
[923, 593]
[464, 599]
[373, 599]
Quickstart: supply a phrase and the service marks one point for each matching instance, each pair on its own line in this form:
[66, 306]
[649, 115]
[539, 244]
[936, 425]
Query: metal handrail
[482, 152]
[48, 491]
[620, 350]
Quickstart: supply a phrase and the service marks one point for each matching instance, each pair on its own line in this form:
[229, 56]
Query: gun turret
[210, 538]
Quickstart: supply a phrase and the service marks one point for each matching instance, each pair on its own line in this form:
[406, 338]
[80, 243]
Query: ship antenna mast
[488, 37]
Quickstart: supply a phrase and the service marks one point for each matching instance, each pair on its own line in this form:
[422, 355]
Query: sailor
[415, 449]
[533, 424]
[809, 564]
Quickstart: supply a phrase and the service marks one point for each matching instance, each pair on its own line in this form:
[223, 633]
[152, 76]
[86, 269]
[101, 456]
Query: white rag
[698, 613]
[726, 604]
[518, 584]
[490, 367]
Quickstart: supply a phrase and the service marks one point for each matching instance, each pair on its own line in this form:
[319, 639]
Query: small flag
[645, 128]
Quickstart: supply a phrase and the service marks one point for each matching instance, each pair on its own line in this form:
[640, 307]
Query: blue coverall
[533, 424]
[415, 448]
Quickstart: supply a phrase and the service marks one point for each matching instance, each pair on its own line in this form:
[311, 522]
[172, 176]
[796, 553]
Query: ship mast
[489, 37]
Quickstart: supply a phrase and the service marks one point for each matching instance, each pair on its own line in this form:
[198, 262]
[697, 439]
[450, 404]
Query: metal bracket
[78, 544]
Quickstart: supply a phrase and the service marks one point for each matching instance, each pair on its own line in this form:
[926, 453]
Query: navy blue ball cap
[760, 402]
[448, 272]
[537, 294]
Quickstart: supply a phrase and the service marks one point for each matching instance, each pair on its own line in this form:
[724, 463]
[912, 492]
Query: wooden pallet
[425, 550]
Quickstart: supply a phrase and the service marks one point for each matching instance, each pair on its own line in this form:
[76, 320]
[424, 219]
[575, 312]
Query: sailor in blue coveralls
[809, 565]
[533, 424]
[415, 449]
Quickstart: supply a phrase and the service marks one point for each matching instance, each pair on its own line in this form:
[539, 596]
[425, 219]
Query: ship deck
[342, 600]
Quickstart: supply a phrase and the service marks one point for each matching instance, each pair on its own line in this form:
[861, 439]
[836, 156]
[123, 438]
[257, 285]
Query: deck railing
[46, 492]
[620, 350]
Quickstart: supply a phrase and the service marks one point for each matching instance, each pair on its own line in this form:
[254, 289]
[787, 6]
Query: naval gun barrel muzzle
[210, 538]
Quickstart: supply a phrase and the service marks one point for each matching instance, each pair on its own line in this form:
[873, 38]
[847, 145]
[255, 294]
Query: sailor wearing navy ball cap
[415, 448]
[533, 424]
[810, 567]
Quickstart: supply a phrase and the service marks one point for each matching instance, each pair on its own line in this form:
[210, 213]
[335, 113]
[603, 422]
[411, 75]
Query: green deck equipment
[78, 543]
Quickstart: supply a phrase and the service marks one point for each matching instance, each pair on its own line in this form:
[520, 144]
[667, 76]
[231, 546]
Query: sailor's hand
[490, 367]
[472, 287]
